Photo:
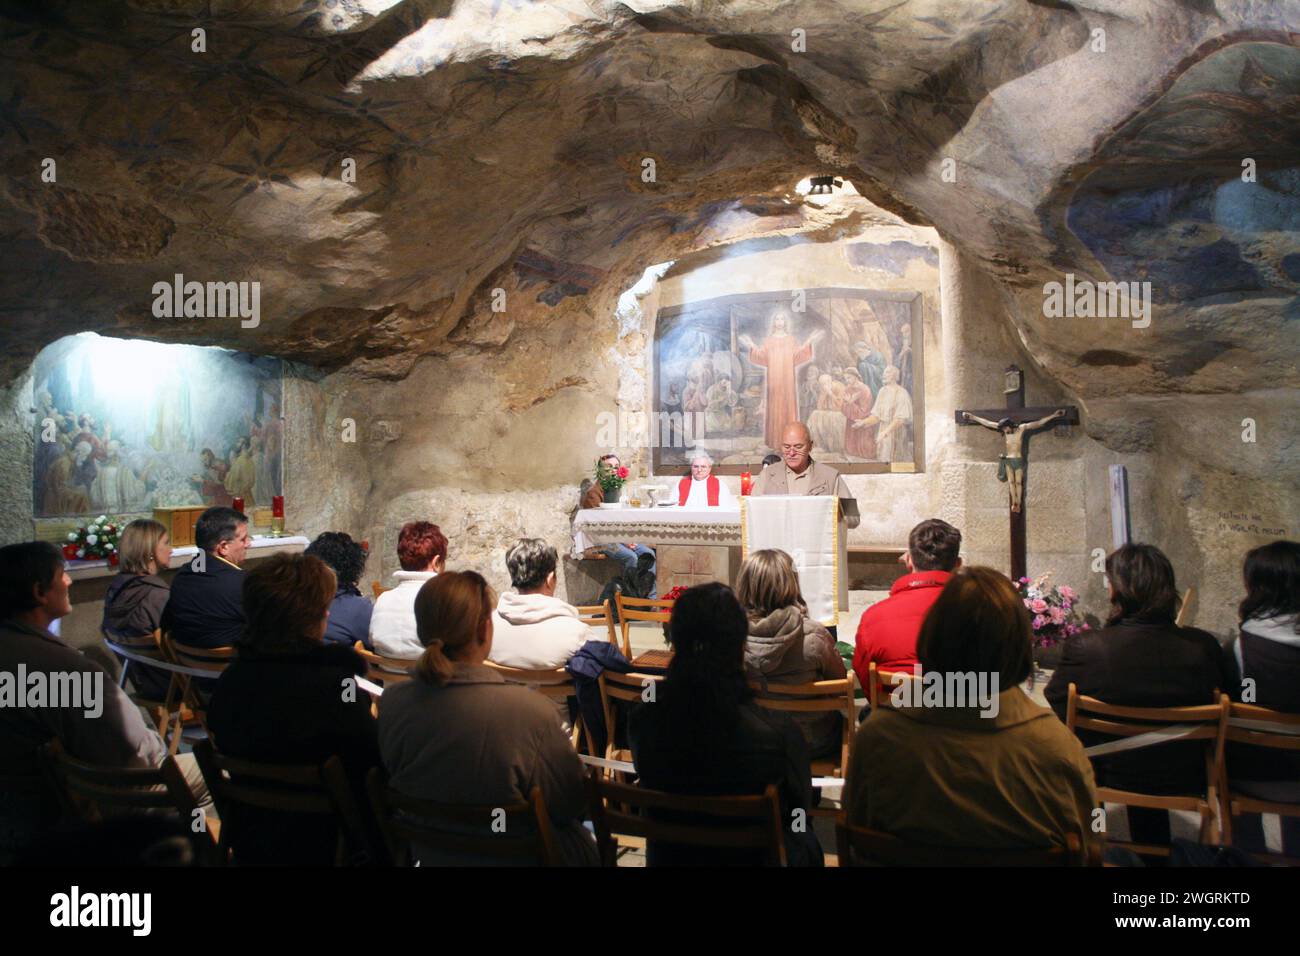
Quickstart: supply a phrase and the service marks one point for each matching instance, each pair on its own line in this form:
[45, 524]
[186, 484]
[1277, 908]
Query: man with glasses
[798, 474]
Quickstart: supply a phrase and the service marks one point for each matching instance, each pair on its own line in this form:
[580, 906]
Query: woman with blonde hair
[134, 602]
[785, 646]
[458, 733]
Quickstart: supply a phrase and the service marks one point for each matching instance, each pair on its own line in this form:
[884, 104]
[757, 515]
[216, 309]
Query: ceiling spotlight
[824, 185]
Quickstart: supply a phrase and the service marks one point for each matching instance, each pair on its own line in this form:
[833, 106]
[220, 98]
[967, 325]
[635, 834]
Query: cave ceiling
[503, 144]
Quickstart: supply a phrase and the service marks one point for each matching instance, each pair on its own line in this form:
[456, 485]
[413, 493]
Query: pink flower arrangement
[1053, 610]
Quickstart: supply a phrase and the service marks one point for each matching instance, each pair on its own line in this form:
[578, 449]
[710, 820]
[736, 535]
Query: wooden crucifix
[1014, 423]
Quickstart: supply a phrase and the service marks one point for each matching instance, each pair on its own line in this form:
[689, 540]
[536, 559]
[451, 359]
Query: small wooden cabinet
[179, 522]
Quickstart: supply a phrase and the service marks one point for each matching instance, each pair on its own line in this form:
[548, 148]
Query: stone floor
[646, 637]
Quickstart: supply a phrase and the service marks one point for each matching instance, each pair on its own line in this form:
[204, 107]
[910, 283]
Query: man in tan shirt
[798, 474]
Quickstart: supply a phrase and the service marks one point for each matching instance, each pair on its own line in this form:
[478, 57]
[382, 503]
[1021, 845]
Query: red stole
[684, 491]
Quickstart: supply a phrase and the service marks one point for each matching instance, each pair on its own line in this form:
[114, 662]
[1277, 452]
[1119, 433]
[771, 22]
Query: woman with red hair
[422, 551]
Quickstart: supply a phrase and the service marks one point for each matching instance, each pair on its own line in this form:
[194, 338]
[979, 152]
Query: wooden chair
[1260, 727]
[147, 651]
[210, 660]
[629, 688]
[384, 671]
[639, 609]
[378, 589]
[556, 685]
[598, 615]
[881, 684]
[622, 809]
[320, 790]
[818, 697]
[94, 792]
[860, 846]
[1207, 722]
[524, 834]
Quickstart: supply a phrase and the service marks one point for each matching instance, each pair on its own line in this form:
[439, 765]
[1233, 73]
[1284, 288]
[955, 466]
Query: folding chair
[630, 688]
[632, 609]
[860, 846]
[555, 685]
[147, 651]
[1259, 727]
[597, 616]
[881, 685]
[384, 671]
[93, 793]
[517, 833]
[622, 809]
[1207, 722]
[317, 790]
[209, 661]
[818, 697]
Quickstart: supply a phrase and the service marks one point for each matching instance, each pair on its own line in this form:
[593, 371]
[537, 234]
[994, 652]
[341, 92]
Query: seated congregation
[447, 725]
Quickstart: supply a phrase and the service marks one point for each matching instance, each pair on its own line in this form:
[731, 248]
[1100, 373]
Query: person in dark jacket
[287, 699]
[1141, 658]
[350, 610]
[206, 607]
[136, 598]
[703, 735]
[1266, 655]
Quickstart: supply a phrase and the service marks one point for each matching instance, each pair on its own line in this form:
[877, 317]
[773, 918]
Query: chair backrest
[519, 832]
[881, 685]
[141, 644]
[630, 688]
[861, 846]
[557, 683]
[384, 670]
[94, 791]
[640, 609]
[1259, 727]
[211, 659]
[1204, 722]
[599, 615]
[823, 696]
[316, 789]
[618, 808]
[378, 589]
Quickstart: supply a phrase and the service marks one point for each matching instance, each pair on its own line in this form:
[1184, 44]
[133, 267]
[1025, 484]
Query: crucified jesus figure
[1011, 465]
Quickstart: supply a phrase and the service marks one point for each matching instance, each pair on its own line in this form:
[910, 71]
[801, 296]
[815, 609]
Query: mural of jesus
[781, 355]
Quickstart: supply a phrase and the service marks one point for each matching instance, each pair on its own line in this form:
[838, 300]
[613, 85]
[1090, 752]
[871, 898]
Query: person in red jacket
[888, 630]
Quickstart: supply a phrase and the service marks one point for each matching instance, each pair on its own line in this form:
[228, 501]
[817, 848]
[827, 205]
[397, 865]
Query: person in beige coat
[784, 645]
[458, 733]
[1003, 773]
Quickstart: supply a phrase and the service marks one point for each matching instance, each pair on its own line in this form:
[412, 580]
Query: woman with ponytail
[702, 734]
[458, 733]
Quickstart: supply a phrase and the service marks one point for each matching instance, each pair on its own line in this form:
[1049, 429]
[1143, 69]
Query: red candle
[238, 505]
[746, 483]
[277, 506]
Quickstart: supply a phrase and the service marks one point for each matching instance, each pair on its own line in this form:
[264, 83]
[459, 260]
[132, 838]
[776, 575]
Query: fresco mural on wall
[125, 426]
[847, 362]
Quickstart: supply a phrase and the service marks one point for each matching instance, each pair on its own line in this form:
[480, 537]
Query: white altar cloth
[665, 525]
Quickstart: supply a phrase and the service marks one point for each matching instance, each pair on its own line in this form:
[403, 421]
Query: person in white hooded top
[532, 628]
[422, 551]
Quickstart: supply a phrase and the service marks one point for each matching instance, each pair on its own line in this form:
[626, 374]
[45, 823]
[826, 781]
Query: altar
[697, 545]
[692, 545]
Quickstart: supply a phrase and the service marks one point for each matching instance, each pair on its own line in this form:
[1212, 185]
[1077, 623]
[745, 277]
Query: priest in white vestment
[703, 489]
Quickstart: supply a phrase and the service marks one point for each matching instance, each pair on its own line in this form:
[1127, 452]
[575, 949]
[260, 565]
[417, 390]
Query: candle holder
[277, 516]
[746, 483]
